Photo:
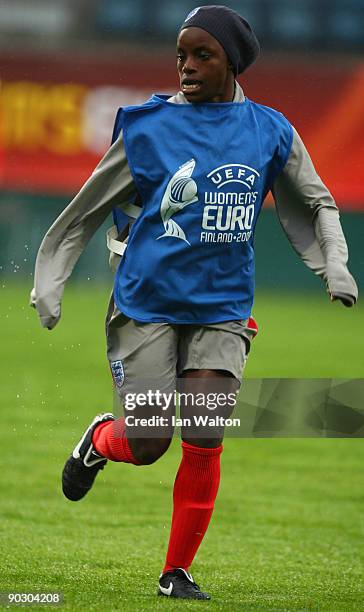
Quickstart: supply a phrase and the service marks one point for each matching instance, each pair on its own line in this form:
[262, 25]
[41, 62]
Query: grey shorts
[162, 352]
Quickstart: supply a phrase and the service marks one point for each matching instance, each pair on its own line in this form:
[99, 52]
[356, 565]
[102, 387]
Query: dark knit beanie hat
[232, 32]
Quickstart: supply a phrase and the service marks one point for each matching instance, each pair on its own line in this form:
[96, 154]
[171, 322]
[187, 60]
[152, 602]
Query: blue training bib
[202, 171]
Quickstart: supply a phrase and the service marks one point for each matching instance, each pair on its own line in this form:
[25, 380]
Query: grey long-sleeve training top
[306, 209]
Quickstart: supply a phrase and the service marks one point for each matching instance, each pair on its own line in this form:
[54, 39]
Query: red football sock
[110, 441]
[194, 495]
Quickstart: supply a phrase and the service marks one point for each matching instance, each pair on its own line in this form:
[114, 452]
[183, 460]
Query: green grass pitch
[287, 532]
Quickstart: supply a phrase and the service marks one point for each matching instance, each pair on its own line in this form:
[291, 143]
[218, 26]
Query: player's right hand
[47, 320]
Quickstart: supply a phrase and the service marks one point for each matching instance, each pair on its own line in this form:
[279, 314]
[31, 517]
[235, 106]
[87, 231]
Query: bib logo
[227, 216]
[233, 173]
[180, 192]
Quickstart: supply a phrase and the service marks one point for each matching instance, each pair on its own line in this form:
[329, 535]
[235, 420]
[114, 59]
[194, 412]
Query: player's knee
[148, 451]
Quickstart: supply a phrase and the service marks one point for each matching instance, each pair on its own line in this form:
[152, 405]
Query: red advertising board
[56, 114]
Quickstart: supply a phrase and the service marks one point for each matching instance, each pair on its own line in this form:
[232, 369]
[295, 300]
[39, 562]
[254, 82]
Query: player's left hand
[347, 300]
[341, 284]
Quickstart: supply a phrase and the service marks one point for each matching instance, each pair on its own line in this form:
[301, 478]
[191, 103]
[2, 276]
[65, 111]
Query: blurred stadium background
[288, 526]
[66, 66]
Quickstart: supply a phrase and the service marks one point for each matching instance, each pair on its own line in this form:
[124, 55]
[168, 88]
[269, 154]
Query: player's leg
[142, 358]
[219, 389]
[211, 360]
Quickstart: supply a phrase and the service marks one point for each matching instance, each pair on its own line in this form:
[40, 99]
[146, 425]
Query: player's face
[203, 67]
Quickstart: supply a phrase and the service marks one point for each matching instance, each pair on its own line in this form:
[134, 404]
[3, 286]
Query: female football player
[191, 172]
